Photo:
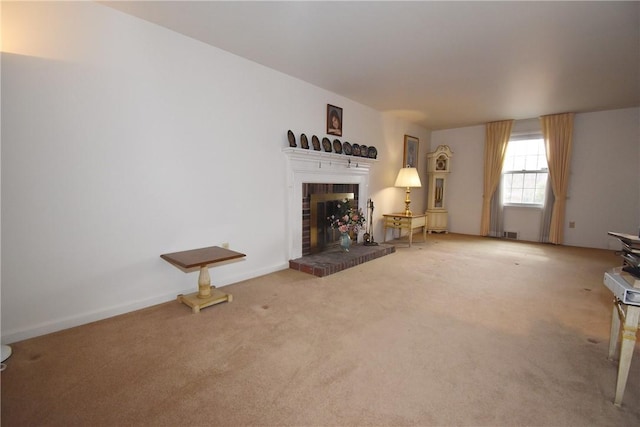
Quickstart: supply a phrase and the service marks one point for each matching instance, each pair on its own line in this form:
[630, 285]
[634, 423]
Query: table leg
[410, 234]
[615, 330]
[206, 296]
[626, 350]
[204, 283]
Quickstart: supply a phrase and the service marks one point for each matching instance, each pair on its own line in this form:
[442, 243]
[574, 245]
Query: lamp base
[407, 202]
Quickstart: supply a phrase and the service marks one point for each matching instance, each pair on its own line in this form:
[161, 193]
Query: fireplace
[319, 202]
[316, 172]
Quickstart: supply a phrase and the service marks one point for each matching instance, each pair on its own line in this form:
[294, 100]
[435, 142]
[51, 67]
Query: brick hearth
[335, 260]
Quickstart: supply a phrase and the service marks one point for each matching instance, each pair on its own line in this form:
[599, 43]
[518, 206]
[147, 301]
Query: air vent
[510, 235]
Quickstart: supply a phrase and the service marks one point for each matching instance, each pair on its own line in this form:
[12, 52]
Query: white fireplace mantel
[308, 166]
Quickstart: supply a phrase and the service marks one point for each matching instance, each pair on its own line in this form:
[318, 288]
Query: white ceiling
[440, 64]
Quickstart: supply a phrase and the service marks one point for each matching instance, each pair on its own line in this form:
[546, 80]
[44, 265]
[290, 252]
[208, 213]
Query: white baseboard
[55, 325]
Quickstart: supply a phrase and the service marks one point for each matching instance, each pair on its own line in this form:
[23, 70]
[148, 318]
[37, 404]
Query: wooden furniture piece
[207, 295]
[624, 283]
[410, 222]
[438, 169]
[626, 306]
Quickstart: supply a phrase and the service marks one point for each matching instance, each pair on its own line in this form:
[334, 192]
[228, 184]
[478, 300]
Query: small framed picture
[410, 159]
[334, 120]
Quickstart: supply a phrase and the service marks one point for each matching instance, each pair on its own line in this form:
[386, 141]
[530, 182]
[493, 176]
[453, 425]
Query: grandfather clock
[438, 169]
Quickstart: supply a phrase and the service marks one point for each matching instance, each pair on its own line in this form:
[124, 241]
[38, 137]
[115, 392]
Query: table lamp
[408, 177]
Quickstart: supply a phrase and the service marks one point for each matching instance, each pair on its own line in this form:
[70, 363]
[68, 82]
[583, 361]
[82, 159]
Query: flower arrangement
[346, 218]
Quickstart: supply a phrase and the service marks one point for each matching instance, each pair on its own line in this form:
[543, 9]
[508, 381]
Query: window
[525, 172]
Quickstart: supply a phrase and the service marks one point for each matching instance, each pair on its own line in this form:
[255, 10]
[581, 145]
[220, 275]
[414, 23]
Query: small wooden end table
[207, 295]
[626, 331]
[400, 220]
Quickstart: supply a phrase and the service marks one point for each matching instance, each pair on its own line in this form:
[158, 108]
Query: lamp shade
[408, 177]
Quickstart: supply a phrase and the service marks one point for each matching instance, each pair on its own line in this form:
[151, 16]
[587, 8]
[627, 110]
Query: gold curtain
[495, 147]
[557, 130]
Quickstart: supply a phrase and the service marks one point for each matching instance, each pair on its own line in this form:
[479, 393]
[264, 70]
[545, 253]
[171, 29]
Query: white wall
[603, 192]
[464, 188]
[122, 140]
[603, 186]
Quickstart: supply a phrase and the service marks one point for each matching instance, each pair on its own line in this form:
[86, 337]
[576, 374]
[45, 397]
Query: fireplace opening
[323, 206]
[319, 202]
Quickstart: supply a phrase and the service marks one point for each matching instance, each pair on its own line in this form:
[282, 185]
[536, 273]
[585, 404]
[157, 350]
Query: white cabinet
[438, 170]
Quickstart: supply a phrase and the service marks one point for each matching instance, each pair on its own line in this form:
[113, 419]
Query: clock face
[441, 164]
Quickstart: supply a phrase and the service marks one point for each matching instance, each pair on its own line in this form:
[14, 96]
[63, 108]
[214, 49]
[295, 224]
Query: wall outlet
[225, 245]
[572, 224]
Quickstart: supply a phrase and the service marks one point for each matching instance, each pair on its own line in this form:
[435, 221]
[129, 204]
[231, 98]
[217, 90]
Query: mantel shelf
[314, 156]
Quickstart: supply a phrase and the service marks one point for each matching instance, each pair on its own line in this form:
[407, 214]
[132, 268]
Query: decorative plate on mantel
[364, 151]
[373, 152]
[326, 144]
[292, 139]
[356, 149]
[304, 142]
[346, 148]
[316, 143]
[337, 146]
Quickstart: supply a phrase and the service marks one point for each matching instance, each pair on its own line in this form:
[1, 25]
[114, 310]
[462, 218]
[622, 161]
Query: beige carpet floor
[457, 331]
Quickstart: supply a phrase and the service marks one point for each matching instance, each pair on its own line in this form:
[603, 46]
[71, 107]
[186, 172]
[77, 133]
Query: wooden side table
[207, 295]
[629, 313]
[400, 220]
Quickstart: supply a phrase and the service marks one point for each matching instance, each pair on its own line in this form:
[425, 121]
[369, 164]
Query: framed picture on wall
[334, 120]
[410, 159]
